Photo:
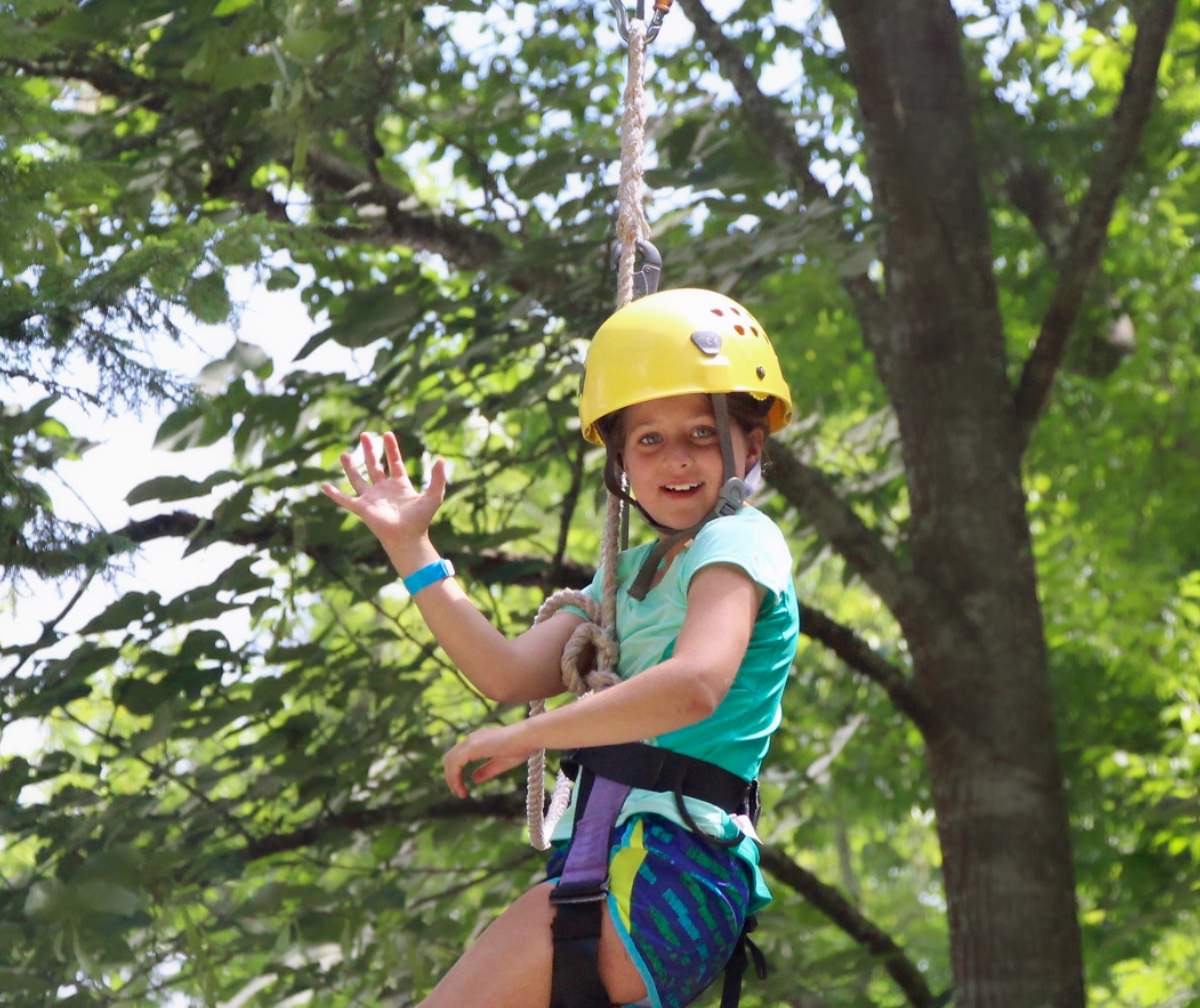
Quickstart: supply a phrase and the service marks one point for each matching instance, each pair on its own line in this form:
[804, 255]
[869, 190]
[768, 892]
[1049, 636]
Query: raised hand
[385, 499]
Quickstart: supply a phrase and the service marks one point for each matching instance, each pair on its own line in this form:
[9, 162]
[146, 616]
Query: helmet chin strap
[731, 497]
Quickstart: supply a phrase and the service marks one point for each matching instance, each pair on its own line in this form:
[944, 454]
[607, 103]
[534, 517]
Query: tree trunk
[977, 641]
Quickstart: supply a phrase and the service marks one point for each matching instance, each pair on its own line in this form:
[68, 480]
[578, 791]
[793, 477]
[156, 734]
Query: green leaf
[227, 7]
[47, 900]
[306, 44]
[130, 608]
[215, 377]
[173, 488]
[107, 897]
[208, 299]
[182, 429]
[139, 696]
[284, 278]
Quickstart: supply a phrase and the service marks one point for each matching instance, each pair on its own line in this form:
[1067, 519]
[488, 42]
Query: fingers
[495, 767]
[437, 481]
[352, 474]
[454, 766]
[336, 495]
[375, 472]
[391, 451]
[374, 469]
[487, 746]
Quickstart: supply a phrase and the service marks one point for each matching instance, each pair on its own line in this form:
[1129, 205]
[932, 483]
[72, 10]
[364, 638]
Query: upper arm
[535, 657]
[722, 605]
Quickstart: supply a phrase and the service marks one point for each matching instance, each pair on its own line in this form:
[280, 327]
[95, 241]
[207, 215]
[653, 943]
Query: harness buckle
[572, 894]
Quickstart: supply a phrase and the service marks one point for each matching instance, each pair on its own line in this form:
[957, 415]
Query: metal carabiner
[661, 8]
[645, 280]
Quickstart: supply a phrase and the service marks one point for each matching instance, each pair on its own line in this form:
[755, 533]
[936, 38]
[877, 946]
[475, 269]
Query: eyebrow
[706, 418]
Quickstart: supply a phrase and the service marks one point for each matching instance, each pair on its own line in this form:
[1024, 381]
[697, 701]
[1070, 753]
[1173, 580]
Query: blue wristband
[431, 573]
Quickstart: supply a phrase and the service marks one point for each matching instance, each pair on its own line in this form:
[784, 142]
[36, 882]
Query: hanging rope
[598, 636]
[631, 217]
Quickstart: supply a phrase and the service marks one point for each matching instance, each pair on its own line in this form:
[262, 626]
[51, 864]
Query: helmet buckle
[732, 496]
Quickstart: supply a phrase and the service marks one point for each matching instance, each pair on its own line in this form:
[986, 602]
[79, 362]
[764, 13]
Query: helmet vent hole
[761, 372]
[754, 329]
[740, 330]
[717, 311]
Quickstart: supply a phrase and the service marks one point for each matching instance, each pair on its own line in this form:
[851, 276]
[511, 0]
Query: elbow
[703, 697]
[502, 687]
[511, 694]
[498, 694]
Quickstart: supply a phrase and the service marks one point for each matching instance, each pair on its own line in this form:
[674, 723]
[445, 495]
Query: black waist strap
[654, 769]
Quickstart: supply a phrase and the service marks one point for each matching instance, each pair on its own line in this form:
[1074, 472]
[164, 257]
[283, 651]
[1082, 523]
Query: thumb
[437, 481]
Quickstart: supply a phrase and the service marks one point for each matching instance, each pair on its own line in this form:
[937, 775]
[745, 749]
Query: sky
[93, 489]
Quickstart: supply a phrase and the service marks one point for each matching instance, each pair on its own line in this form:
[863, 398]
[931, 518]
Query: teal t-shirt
[737, 734]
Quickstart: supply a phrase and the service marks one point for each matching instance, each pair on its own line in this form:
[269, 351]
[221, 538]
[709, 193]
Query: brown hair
[747, 411]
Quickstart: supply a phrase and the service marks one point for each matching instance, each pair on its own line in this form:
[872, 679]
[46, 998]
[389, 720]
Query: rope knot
[589, 657]
[588, 664]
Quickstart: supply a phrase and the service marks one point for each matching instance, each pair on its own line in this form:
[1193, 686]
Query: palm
[385, 499]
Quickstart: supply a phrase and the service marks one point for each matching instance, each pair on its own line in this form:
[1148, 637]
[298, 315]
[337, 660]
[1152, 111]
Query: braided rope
[631, 216]
[598, 636]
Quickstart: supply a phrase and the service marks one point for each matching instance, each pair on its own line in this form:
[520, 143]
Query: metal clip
[661, 7]
[732, 496]
[645, 280]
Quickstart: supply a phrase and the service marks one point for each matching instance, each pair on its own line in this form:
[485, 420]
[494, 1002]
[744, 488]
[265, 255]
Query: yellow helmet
[677, 342]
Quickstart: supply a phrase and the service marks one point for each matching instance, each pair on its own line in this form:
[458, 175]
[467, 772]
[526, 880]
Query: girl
[681, 388]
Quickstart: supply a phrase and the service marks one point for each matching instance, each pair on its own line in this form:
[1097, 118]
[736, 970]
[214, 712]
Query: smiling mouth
[681, 489]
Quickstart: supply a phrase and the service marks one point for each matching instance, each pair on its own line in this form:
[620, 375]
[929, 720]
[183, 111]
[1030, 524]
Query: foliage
[230, 817]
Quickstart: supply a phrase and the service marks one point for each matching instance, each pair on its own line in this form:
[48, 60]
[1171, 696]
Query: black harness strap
[735, 969]
[581, 895]
[653, 768]
[574, 979]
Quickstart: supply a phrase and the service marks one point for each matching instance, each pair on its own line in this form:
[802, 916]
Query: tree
[968, 230]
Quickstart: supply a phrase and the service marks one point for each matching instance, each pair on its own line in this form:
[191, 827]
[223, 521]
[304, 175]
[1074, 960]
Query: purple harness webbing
[587, 860]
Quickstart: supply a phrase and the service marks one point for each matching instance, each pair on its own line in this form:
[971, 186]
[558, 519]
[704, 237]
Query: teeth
[682, 486]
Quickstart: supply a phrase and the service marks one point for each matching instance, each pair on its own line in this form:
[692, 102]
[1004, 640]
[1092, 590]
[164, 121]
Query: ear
[755, 442]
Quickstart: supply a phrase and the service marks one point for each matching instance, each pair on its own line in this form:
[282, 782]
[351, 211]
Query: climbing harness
[605, 775]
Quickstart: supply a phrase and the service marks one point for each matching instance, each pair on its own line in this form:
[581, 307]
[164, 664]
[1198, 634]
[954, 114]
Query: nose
[679, 456]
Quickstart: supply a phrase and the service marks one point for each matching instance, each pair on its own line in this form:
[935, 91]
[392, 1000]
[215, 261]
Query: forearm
[399, 516]
[661, 699]
[481, 652]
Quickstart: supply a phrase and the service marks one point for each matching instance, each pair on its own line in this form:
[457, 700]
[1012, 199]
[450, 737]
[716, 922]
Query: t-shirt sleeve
[748, 540]
[594, 591]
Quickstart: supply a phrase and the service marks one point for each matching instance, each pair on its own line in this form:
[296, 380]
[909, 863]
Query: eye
[649, 439]
[703, 432]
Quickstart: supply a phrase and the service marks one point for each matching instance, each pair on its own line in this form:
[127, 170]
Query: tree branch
[462, 244]
[760, 110]
[869, 935]
[498, 806]
[857, 654]
[491, 566]
[810, 492]
[769, 123]
[1032, 190]
[1090, 232]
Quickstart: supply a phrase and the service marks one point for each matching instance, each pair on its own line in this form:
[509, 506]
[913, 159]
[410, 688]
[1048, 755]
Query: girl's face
[672, 455]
